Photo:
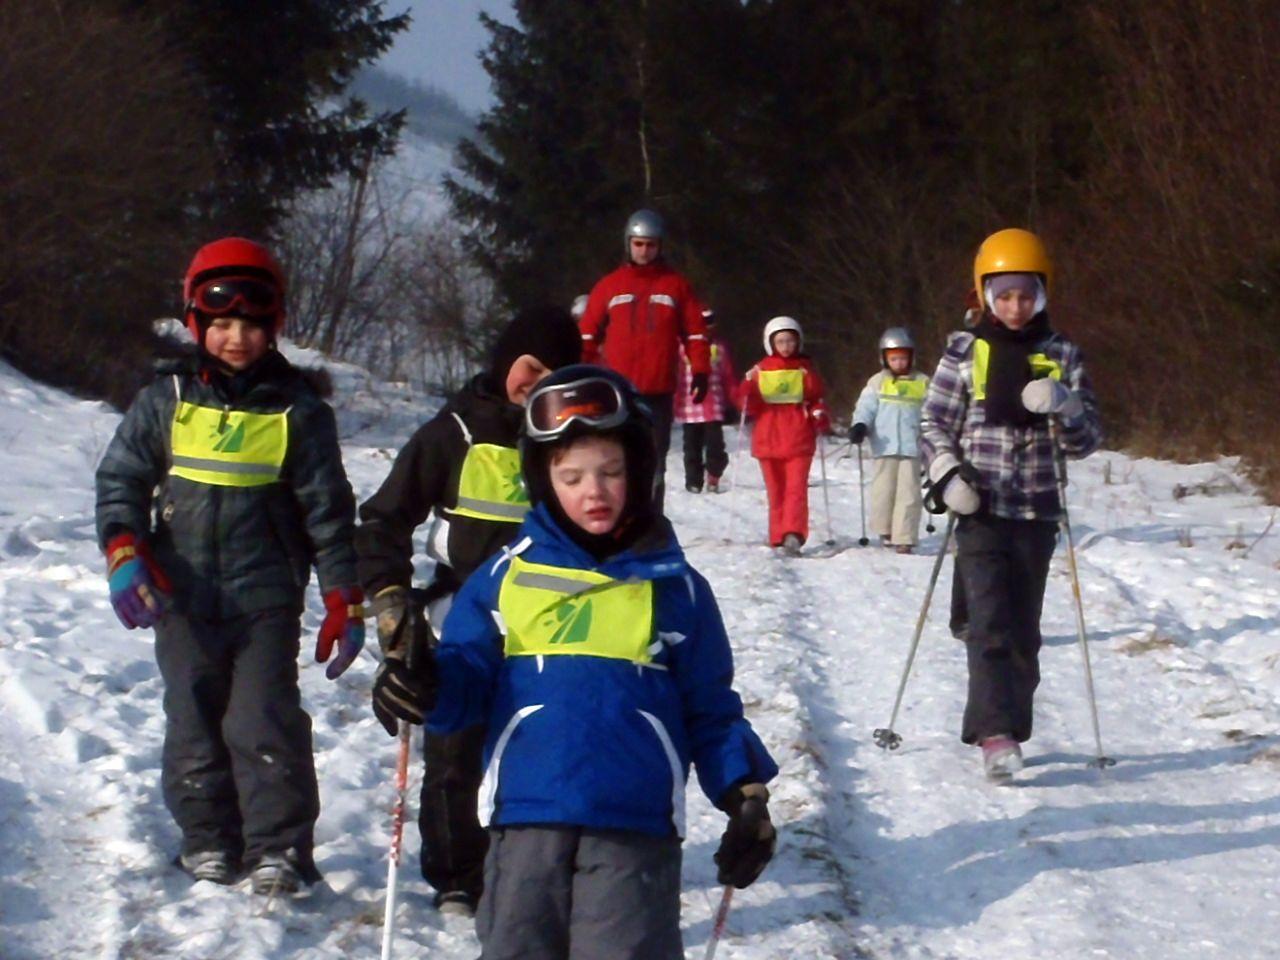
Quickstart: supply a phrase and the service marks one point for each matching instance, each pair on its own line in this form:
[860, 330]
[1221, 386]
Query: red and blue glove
[343, 624]
[140, 590]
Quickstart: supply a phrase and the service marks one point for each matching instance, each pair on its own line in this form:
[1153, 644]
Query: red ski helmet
[230, 256]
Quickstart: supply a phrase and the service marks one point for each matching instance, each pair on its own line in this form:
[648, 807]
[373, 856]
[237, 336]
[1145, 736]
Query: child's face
[1014, 308]
[899, 361]
[785, 343]
[589, 478]
[525, 374]
[237, 342]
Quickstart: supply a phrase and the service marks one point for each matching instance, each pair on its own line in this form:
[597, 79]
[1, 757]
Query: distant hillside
[433, 115]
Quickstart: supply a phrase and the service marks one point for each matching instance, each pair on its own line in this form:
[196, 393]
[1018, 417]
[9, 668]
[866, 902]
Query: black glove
[404, 688]
[698, 387]
[748, 841]
[858, 433]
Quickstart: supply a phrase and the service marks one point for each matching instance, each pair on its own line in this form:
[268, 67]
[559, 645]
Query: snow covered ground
[1172, 853]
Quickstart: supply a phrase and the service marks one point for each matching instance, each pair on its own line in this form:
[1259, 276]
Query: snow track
[1171, 854]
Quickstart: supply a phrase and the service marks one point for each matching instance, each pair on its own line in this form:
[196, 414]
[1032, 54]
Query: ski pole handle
[717, 929]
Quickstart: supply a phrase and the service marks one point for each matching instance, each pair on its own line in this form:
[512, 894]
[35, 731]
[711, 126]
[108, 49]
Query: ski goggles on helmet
[242, 296]
[594, 401]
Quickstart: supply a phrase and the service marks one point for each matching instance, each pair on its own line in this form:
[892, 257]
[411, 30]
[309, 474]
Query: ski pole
[885, 737]
[826, 498]
[397, 834]
[1060, 474]
[862, 499]
[737, 449]
[717, 929]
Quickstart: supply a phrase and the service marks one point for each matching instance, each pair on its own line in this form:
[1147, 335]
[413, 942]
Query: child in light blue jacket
[888, 410]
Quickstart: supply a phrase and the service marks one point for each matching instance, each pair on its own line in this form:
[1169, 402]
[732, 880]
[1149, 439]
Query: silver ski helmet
[643, 223]
[896, 338]
[579, 306]
[777, 325]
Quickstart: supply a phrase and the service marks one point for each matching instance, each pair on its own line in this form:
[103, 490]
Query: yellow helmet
[1012, 251]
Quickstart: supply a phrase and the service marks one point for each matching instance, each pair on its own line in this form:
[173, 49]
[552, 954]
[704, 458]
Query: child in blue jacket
[597, 658]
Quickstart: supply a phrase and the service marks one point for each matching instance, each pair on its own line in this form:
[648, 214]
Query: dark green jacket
[232, 550]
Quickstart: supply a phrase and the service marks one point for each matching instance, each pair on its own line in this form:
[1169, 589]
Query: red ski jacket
[635, 320]
[786, 427]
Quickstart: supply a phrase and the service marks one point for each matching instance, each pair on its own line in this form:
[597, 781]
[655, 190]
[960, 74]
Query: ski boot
[713, 484]
[1001, 758]
[791, 544]
[456, 903]
[693, 488]
[276, 873]
[214, 866]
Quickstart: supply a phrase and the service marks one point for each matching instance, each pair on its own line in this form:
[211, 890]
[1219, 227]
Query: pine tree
[272, 78]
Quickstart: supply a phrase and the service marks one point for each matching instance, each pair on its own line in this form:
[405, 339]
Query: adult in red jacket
[784, 394]
[635, 320]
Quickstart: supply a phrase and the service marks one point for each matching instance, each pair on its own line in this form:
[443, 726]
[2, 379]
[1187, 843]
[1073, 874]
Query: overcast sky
[442, 45]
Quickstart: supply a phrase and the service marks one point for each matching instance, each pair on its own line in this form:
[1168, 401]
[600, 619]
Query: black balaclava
[545, 332]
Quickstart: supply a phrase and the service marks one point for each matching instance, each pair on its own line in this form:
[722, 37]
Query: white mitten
[1051, 397]
[958, 483]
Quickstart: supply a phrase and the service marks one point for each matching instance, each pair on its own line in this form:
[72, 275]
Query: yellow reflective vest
[490, 486]
[781, 386]
[1041, 366]
[556, 611]
[228, 448]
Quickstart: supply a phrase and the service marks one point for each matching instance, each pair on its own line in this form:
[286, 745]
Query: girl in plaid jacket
[1009, 396]
[703, 421]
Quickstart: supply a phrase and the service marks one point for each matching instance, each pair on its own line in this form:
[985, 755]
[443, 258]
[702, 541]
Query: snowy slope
[1173, 853]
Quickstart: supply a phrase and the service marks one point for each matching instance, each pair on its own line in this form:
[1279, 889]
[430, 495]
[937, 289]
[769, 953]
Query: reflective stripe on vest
[552, 611]
[781, 386]
[491, 486]
[902, 391]
[1041, 366]
[228, 448]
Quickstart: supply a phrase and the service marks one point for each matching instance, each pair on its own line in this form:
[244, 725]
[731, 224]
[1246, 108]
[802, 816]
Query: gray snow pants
[237, 769]
[569, 893]
[1003, 564]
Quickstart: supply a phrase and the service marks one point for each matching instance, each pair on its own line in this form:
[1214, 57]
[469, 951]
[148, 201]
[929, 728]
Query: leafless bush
[378, 280]
[99, 145]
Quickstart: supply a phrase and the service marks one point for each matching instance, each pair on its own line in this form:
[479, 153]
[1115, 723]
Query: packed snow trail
[1171, 854]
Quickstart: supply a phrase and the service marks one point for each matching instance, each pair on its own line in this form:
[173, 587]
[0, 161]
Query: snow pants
[662, 406]
[896, 501]
[570, 893]
[787, 484]
[700, 438]
[453, 842]
[237, 767]
[1004, 564]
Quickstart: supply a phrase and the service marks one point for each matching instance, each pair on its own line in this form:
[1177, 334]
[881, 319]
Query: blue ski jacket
[890, 407]
[590, 740]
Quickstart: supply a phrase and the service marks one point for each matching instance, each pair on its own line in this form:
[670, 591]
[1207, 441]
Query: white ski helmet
[579, 306]
[643, 223]
[777, 325]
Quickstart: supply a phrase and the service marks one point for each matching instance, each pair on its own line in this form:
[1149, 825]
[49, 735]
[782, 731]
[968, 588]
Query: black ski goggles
[242, 296]
[595, 401]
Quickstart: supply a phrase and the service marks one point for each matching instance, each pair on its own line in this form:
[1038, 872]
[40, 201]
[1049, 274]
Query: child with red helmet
[784, 393]
[221, 488]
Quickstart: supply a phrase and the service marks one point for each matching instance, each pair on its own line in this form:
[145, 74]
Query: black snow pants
[453, 842]
[708, 437]
[1003, 564]
[237, 771]
[661, 405]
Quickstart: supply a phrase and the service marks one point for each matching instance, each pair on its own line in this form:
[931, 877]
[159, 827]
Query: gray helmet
[643, 223]
[896, 338]
[579, 306]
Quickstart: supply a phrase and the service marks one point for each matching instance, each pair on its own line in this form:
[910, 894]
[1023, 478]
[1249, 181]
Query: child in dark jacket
[461, 469]
[1010, 397]
[251, 492]
[784, 393]
[596, 657]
